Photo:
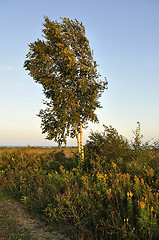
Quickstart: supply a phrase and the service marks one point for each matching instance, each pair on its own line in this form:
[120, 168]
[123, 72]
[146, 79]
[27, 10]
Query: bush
[113, 194]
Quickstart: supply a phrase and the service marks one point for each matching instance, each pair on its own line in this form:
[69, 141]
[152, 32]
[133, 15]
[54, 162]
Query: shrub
[112, 194]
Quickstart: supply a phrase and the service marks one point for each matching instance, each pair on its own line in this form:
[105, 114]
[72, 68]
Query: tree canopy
[63, 63]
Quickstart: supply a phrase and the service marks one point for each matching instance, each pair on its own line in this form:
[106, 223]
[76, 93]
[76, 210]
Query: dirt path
[16, 223]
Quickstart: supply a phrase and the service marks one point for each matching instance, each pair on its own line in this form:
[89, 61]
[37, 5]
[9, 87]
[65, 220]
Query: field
[112, 194]
[69, 151]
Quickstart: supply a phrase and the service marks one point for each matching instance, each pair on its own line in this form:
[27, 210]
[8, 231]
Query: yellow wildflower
[130, 194]
[114, 165]
[142, 180]
[136, 179]
[142, 205]
[100, 176]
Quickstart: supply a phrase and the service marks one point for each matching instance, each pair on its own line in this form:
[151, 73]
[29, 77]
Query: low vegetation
[112, 194]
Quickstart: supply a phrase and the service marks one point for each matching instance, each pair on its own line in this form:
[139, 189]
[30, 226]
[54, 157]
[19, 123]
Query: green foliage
[63, 63]
[109, 143]
[112, 194]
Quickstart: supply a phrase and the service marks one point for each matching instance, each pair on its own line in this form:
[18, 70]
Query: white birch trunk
[81, 142]
[78, 139]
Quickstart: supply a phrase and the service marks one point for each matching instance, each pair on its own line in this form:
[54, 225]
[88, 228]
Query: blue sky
[124, 36]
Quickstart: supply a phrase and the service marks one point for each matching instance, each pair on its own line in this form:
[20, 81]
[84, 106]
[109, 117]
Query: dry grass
[68, 151]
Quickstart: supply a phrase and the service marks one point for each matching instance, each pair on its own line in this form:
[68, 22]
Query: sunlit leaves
[63, 63]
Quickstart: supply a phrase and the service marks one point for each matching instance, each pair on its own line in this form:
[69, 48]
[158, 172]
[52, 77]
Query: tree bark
[78, 139]
[81, 142]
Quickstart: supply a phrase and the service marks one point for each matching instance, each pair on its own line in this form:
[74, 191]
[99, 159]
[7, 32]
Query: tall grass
[112, 194]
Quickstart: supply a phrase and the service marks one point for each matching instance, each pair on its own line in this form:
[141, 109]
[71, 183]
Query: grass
[69, 152]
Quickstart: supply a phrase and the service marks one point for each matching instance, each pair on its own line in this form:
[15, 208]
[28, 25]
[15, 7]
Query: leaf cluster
[63, 63]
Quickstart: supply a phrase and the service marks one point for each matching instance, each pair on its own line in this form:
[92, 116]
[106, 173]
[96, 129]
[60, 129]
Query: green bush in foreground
[113, 194]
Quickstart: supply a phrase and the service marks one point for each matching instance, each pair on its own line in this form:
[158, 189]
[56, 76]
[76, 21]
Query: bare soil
[17, 223]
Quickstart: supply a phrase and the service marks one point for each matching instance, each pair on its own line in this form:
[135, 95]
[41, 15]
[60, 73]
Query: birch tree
[62, 62]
